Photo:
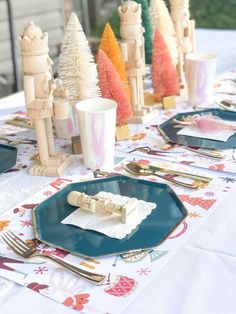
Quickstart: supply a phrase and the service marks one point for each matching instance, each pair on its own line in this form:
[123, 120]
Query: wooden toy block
[96, 204]
[169, 102]
[149, 99]
[123, 132]
[157, 98]
[76, 145]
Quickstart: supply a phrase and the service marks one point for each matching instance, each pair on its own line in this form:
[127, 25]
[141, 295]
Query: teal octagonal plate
[8, 155]
[167, 215]
[169, 130]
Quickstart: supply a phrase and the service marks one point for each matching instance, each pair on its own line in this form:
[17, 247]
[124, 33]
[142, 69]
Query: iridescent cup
[200, 69]
[97, 124]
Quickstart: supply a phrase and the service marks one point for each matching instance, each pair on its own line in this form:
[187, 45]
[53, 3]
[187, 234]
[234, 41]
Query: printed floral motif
[77, 301]
[219, 167]
[209, 193]
[123, 286]
[23, 209]
[37, 286]
[4, 224]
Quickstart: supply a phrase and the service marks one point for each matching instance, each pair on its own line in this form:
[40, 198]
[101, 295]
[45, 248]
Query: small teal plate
[7, 157]
[151, 232]
[169, 130]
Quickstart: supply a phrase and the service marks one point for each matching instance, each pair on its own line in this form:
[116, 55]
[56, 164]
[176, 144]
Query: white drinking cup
[97, 124]
[200, 71]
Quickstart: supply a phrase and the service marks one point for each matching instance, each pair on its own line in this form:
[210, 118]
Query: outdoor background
[214, 14]
[219, 16]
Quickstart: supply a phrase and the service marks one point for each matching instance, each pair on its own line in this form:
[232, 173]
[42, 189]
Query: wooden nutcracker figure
[185, 32]
[132, 47]
[39, 87]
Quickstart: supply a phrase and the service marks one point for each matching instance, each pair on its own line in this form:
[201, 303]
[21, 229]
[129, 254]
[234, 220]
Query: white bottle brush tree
[77, 68]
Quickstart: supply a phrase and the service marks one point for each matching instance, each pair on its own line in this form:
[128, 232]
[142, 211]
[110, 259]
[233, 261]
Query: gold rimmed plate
[170, 130]
[153, 230]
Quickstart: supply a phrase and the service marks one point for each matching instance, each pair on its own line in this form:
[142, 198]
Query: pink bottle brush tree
[111, 87]
[165, 79]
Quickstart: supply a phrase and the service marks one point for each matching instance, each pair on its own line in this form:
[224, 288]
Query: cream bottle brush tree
[39, 87]
[161, 19]
[77, 68]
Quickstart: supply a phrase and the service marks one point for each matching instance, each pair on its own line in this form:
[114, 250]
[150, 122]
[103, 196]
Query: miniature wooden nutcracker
[185, 32]
[39, 87]
[96, 204]
[132, 47]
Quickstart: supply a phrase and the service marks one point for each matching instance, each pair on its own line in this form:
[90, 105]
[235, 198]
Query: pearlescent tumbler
[97, 123]
[200, 71]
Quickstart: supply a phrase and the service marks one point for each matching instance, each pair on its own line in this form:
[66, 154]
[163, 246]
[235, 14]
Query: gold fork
[22, 249]
[137, 171]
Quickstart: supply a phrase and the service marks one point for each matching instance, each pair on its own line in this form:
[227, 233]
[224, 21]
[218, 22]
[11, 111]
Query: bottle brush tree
[77, 68]
[146, 23]
[111, 87]
[165, 79]
[111, 47]
[161, 19]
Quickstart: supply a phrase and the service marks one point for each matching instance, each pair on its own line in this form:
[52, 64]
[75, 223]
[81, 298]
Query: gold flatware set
[139, 169]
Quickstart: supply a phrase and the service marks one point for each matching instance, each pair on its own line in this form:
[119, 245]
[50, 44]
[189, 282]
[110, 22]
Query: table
[201, 277]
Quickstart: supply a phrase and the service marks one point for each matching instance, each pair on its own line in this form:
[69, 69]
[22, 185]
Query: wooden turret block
[149, 99]
[168, 102]
[76, 145]
[123, 132]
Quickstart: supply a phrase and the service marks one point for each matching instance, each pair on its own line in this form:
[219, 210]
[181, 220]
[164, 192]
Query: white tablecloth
[200, 278]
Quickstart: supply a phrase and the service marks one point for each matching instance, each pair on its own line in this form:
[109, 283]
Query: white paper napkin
[219, 135]
[110, 225]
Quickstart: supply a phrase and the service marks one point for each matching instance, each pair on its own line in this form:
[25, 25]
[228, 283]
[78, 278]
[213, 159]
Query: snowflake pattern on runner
[143, 271]
[228, 179]
[26, 223]
[40, 270]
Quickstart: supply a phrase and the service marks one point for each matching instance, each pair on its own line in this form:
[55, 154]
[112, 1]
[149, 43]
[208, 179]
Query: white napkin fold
[110, 225]
[220, 135]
